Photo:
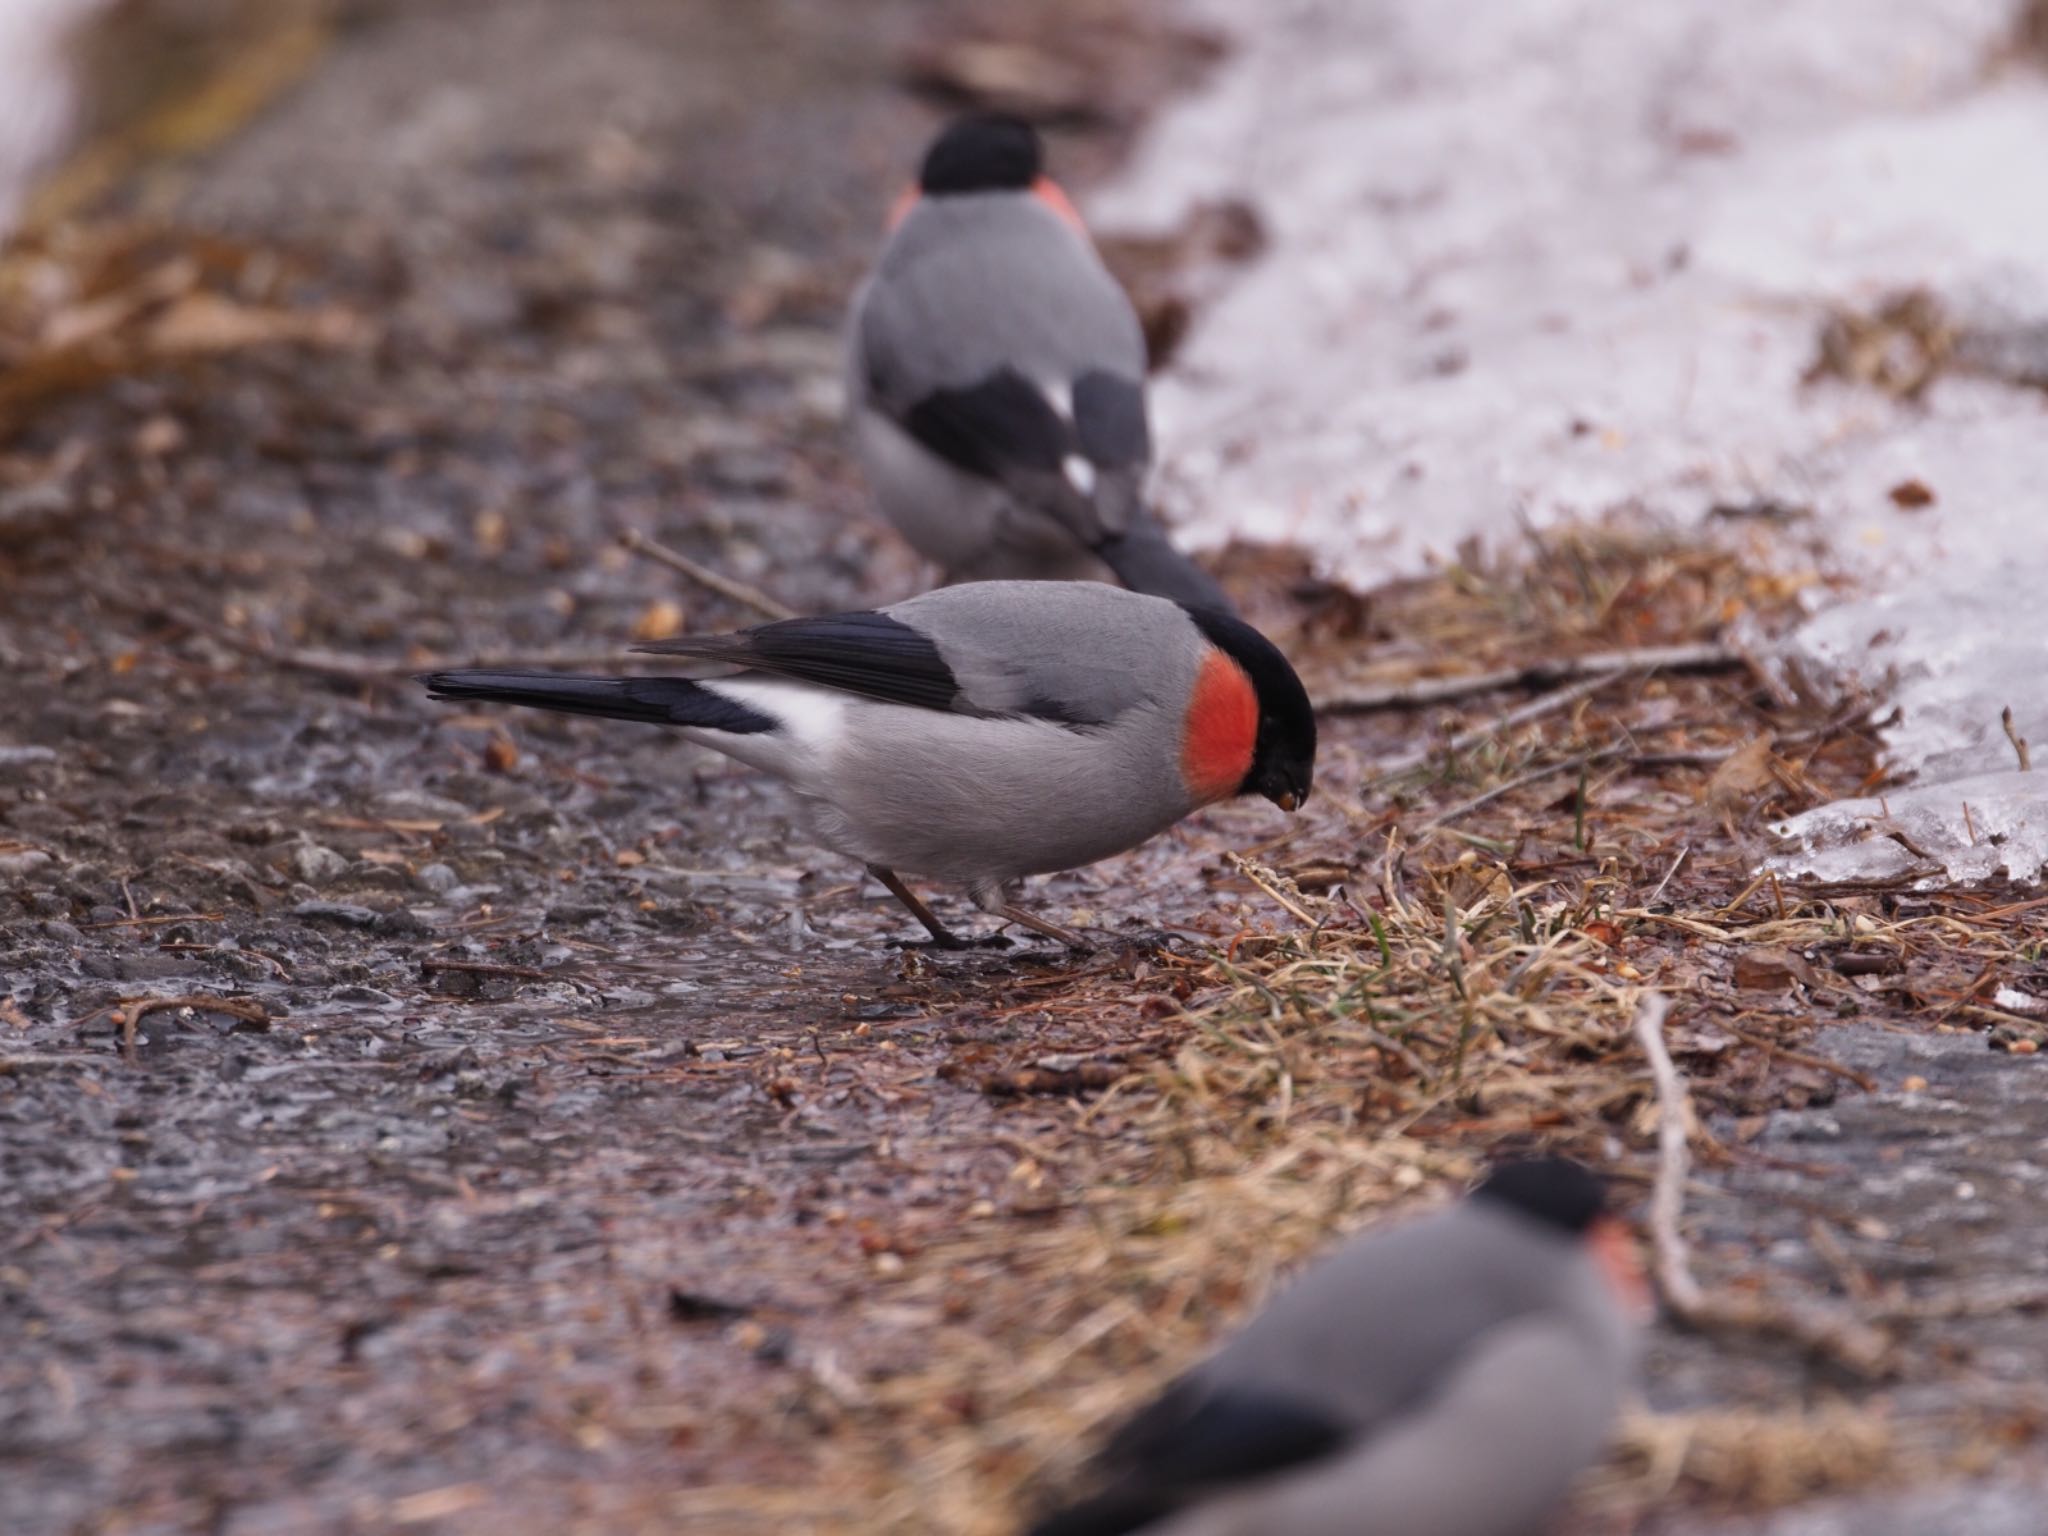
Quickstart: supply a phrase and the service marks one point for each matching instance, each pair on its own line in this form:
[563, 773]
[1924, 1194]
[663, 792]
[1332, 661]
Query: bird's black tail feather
[1145, 560]
[654, 700]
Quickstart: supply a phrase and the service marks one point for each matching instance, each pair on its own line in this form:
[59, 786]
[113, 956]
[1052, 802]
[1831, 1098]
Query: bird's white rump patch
[812, 718]
[1080, 473]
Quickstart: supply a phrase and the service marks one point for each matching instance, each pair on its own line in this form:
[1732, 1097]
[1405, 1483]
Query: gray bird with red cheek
[996, 380]
[1447, 1376]
[980, 733]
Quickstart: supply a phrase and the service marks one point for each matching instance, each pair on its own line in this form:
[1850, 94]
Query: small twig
[131, 1011]
[1464, 741]
[1507, 787]
[2019, 742]
[1993, 1299]
[1269, 882]
[1674, 1161]
[339, 666]
[1705, 656]
[157, 922]
[1770, 1047]
[1846, 1339]
[1629, 759]
[1675, 863]
[705, 577]
[336, 668]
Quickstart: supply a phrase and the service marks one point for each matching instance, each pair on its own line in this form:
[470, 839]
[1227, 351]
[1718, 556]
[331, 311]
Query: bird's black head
[1284, 756]
[984, 153]
[1554, 1190]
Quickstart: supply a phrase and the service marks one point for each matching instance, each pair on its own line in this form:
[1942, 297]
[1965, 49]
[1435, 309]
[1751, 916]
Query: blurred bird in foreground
[1446, 1376]
[980, 733]
[996, 380]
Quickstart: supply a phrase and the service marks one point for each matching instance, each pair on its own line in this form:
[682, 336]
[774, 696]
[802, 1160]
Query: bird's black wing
[1000, 426]
[1186, 1444]
[869, 654]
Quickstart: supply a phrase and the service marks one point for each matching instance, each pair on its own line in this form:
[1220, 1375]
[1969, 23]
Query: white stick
[1674, 1161]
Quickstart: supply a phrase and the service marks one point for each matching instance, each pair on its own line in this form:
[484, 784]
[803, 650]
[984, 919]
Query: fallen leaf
[207, 322]
[491, 531]
[1767, 968]
[1745, 775]
[659, 620]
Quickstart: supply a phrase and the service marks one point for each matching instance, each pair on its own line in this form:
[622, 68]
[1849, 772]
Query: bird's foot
[953, 941]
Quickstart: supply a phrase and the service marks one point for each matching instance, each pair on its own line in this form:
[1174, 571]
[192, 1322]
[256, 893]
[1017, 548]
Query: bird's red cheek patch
[1048, 192]
[1622, 1264]
[1222, 728]
[900, 209]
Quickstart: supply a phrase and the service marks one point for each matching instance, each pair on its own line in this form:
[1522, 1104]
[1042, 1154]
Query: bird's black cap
[988, 152]
[1283, 763]
[1554, 1190]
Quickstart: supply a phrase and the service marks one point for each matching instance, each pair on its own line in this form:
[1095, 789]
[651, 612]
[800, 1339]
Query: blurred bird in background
[996, 380]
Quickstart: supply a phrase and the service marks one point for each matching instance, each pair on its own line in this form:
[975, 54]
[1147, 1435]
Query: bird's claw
[953, 941]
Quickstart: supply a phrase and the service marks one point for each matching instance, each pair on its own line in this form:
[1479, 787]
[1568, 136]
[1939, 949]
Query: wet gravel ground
[537, 1065]
[409, 1231]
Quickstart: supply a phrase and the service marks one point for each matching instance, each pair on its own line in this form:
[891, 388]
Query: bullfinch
[996, 380]
[979, 733]
[1448, 1376]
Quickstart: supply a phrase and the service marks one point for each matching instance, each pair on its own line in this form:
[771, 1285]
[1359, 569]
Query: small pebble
[317, 865]
[438, 878]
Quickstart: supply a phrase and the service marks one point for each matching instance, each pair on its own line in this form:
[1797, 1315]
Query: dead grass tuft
[1756, 1460]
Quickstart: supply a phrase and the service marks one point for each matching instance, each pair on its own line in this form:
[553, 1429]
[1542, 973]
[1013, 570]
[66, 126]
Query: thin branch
[1702, 656]
[339, 666]
[1464, 741]
[2019, 742]
[1995, 1298]
[1608, 754]
[705, 577]
[1674, 1161]
[128, 1012]
[1848, 1340]
[1651, 900]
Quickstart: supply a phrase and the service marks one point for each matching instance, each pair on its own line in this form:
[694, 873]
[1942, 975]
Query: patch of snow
[35, 92]
[1540, 260]
[1961, 829]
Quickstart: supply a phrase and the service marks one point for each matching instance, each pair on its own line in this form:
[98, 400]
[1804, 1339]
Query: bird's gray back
[969, 285]
[1075, 650]
[1380, 1323]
